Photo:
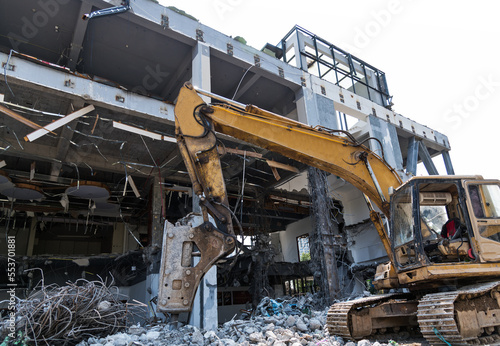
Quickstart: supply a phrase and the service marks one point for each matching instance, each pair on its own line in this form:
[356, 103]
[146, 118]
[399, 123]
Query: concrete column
[314, 109]
[300, 59]
[386, 133]
[322, 238]
[204, 312]
[156, 214]
[31, 238]
[201, 67]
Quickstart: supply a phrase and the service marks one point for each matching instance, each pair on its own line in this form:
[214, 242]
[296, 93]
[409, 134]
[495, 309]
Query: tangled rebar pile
[68, 314]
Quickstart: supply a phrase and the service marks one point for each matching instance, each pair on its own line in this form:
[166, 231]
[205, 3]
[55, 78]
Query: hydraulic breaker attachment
[180, 273]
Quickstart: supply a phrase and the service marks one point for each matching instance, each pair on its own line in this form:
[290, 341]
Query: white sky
[440, 57]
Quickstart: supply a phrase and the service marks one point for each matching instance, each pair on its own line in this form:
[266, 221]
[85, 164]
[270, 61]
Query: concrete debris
[265, 327]
[277, 330]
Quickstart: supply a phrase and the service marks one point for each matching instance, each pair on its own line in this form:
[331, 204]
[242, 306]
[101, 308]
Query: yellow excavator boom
[196, 126]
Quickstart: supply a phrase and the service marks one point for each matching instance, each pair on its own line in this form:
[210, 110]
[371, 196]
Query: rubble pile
[277, 323]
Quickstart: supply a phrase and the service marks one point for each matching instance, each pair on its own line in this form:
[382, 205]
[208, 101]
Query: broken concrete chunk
[256, 337]
[197, 338]
[152, 335]
[301, 326]
[290, 321]
[250, 330]
[270, 334]
[270, 326]
[210, 335]
[315, 324]
[135, 330]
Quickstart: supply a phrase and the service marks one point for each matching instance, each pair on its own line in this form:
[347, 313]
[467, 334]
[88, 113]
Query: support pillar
[31, 237]
[314, 109]
[204, 313]
[300, 59]
[386, 133]
[156, 214]
[322, 239]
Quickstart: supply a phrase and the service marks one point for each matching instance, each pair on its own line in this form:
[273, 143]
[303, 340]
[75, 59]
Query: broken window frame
[297, 240]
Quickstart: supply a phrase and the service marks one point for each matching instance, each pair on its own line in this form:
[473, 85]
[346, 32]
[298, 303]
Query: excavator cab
[439, 221]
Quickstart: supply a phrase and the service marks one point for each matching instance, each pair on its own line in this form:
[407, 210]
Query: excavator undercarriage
[467, 316]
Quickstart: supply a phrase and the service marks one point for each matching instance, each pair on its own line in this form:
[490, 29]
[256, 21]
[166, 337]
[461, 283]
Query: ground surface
[279, 330]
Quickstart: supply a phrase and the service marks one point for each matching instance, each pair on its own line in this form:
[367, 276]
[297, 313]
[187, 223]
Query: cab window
[485, 202]
[403, 221]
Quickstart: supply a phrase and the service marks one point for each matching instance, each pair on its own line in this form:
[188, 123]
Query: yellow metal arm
[314, 147]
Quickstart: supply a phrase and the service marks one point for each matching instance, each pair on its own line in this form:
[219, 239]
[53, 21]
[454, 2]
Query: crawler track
[361, 318]
[468, 316]
[464, 317]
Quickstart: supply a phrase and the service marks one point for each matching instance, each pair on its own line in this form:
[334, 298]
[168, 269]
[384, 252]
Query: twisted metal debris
[71, 313]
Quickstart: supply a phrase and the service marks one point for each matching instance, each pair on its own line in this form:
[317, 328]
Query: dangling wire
[149, 152]
[241, 80]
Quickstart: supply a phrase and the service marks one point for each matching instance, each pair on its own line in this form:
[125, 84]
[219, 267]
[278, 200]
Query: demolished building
[91, 170]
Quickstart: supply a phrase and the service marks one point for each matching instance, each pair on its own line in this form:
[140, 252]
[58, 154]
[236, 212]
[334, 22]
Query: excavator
[441, 233]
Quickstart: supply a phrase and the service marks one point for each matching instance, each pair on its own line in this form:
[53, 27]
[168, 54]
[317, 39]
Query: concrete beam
[65, 84]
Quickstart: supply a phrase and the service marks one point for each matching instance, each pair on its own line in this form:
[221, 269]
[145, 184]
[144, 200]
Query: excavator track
[363, 317]
[468, 316]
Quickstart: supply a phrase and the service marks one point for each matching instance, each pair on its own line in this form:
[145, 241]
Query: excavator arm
[196, 125]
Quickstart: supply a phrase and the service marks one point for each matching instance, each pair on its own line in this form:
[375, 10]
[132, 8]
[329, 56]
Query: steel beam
[427, 160]
[447, 162]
